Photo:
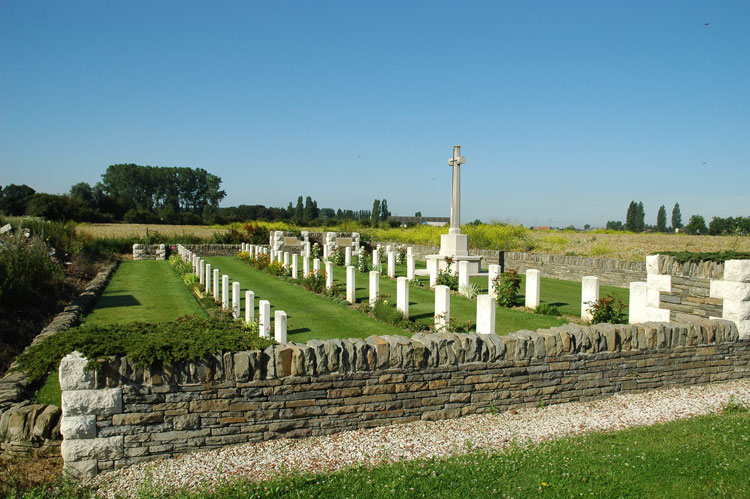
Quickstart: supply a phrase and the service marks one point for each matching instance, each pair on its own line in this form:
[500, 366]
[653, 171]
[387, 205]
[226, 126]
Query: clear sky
[565, 110]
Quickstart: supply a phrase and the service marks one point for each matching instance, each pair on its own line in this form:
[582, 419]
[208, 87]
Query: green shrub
[506, 286]
[339, 256]
[717, 256]
[27, 273]
[315, 281]
[445, 277]
[547, 309]
[186, 339]
[276, 268]
[607, 309]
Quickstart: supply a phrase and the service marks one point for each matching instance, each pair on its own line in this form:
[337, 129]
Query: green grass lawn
[146, 291]
[692, 458]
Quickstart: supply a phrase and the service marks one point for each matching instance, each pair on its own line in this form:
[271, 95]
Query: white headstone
[249, 306]
[316, 265]
[295, 266]
[494, 272]
[225, 292]
[264, 318]
[208, 279]
[485, 314]
[532, 288]
[286, 259]
[329, 275]
[347, 256]
[402, 295]
[411, 269]
[236, 300]
[442, 308]
[216, 285]
[376, 259]
[409, 250]
[306, 267]
[279, 327]
[5, 228]
[463, 277]
[433, 266]
[307, 249]
[638, 303]
[589, 293]
[351, 284]
[374, 286]
[392, 264]
[202, 274]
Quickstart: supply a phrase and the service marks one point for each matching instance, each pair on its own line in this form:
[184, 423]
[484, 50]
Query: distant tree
[640, 217]
[661, 219]
[290, 210]
[299, 211]
[676, 217]
[586, 227]
[630, 217]
[375, 216]
[55, 207]
[309, 210]
[729, 226]
[418, 214]
[13, 199]
[83, 192]
[384, 213]
[614, 225]
[696, 225]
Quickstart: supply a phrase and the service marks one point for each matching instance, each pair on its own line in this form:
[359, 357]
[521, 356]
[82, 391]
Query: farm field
[619, 245]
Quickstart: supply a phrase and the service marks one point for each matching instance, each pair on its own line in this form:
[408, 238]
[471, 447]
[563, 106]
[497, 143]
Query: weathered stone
[105, 401]
[137, 418]
[73, 373]
[381, 349]
[209, 406]
[82, 470]
[78, 427]
[186, 422]
[97, 448]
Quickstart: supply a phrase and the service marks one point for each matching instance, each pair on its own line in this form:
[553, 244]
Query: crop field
[606, 244]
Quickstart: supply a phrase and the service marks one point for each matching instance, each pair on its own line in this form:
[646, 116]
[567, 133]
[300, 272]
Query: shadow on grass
[299, 330]
[113, 301]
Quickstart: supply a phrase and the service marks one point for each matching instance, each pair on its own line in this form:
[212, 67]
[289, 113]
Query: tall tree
[384, 213]
[676, 217]
[640, 217]
[375, 211]
[309, 211]
[630, 217]
[661, 219]
[13, 198]
[696, 225]
[299, 210]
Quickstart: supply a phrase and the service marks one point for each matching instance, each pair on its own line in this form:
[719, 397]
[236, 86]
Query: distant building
[540, 227]
[434, 221]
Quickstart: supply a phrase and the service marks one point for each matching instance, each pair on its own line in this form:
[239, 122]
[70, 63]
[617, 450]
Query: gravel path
[422, 439]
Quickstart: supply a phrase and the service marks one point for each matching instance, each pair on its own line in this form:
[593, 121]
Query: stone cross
[456, 161]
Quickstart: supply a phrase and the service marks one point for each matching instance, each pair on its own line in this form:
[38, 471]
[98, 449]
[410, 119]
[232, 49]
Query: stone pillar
[249, 306]
[411, 271]
[216, 285]
[236, 300]
[264, 318]
[286, 260]
[295, 266]
[494, 273]
[532, 288]
[589, 293]
[306, 266]
[202, 275]
[316, 265]
[433, 265]
[347, 256]
[485, 314]
[734, 290]
[391, 264]
[638, 303]
[463, 277]
[442, 308]
[225, 292]
[350, 284]
[402, 295]
[208, 279]
[374, 286]
[279, 327]
[329, 275]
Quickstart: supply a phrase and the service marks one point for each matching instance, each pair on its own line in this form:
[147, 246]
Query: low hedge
[716, 256]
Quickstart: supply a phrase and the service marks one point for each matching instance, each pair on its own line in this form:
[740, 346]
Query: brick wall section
[610, 272]
[125, 414]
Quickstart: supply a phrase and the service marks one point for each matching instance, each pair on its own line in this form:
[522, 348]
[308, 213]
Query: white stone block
[306, 267]
[494, 272]
[409, 250]
[216, 287]
[202, 275]
[533, 282]
[106, 401]
[485, 314]
[433, 266]
[730, 290]
[376, 259]
[316, 265]
[442, 308]
[295, 266]
[279, 327]
[81, 470]
[736, 311]
[329, 275]
[249, 306]
[657, 284]
[73, 373]
[589, 294]
[308, 249]
[208, 278]
[236, 300]
[402, 295]
[101, 449]
[77, 427]
[326, 251]
[351, 284]
[737, 270]
[652, 264]
[225, 292]
[264, 318]
[347, 256]
[374, 286]
[411, 268]
[638, 303]
[391, 264]
[388, 248]
[463, 277]
[286, 260]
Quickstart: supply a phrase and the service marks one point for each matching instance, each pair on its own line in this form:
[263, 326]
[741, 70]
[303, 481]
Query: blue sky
[565, 111]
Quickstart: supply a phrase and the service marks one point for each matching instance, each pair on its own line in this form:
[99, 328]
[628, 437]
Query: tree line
[635, 222]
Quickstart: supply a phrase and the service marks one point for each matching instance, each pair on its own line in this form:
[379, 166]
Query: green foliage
[471, 291]
[445, 277]
[729, 226]
[27, 273]
[276, 268]
[661, 219]
[339, 256]
[506, 286]
[635, 218]
[315, 281]
[547, 309]
[607, 309]
[735, 407]
[188, 338]
[676, 217]
[696, 225]
[384, 311]
[364, 264]
[13, 199]
[684, 257]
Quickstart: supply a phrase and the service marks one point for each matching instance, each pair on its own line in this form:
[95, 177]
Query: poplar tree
[661, 219]
[676, 217]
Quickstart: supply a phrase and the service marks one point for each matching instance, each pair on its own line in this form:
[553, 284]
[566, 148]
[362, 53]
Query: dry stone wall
[125, 414]
[149, 252]
[214, 249]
